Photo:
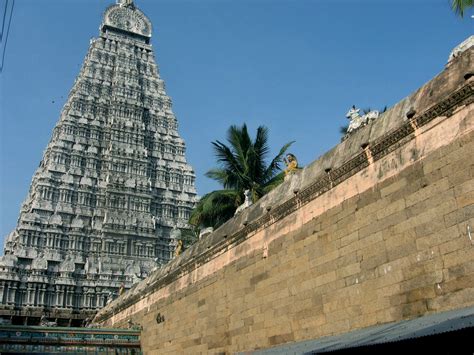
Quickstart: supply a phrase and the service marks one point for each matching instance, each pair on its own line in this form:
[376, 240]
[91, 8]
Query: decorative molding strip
[380, 147]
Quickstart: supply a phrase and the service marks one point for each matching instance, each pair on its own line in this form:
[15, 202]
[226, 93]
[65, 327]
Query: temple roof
[125, 16]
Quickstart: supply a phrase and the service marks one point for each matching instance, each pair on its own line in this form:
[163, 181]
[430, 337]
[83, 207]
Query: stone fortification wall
[374, 231]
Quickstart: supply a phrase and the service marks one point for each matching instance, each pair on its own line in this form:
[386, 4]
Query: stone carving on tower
[112, 184]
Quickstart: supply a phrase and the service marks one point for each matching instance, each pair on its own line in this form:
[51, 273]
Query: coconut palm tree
[460, 6]
[214, 208]
[242, 166]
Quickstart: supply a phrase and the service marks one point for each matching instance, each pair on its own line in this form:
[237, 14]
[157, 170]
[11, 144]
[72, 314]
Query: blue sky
[295, 66]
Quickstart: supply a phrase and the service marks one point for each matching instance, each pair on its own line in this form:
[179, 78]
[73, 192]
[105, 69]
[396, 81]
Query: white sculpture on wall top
[357, 121]
[460, 48]
[247, 202]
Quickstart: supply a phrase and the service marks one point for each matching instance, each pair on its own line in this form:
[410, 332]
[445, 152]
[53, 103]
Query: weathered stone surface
[374, 231]
[113, 188]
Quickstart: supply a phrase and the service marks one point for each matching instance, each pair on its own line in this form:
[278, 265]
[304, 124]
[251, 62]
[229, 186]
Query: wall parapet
[439, 98]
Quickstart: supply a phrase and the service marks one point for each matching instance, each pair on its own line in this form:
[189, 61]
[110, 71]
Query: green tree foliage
[343, 129]
[241, 166]
[460, 6]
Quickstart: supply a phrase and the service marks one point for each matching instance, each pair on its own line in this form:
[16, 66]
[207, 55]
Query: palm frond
[261, 143]
[260, 151]
[343, 129]
[274, 182]
[229, 164]
[215, 208]
[460, 6]
[220, 175]
[240, 143]
[242, 166]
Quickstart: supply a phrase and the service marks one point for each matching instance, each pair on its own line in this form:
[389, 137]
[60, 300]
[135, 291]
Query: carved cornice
[378, 149]
[128, 19]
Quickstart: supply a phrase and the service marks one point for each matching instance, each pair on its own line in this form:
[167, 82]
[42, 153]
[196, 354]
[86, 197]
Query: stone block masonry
[377, 230]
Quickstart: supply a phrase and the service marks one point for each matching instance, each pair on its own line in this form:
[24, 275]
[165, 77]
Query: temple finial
[126, 3]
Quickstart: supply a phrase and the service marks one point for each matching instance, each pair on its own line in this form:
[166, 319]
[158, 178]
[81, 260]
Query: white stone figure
[131, 182]
[247, 203]
[40, 263]
[372, 115]
[460, 48]
[87, 266]
[67, 265]
[110, 297]
[45, 323]
[77, 222]
[136, 279]
[357, 120]
[157, 264]
[205, 232]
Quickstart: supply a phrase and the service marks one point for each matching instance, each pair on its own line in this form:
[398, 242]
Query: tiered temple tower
[113, 192]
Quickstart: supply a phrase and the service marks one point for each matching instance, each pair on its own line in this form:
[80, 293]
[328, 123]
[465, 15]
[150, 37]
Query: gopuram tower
[113, 192]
